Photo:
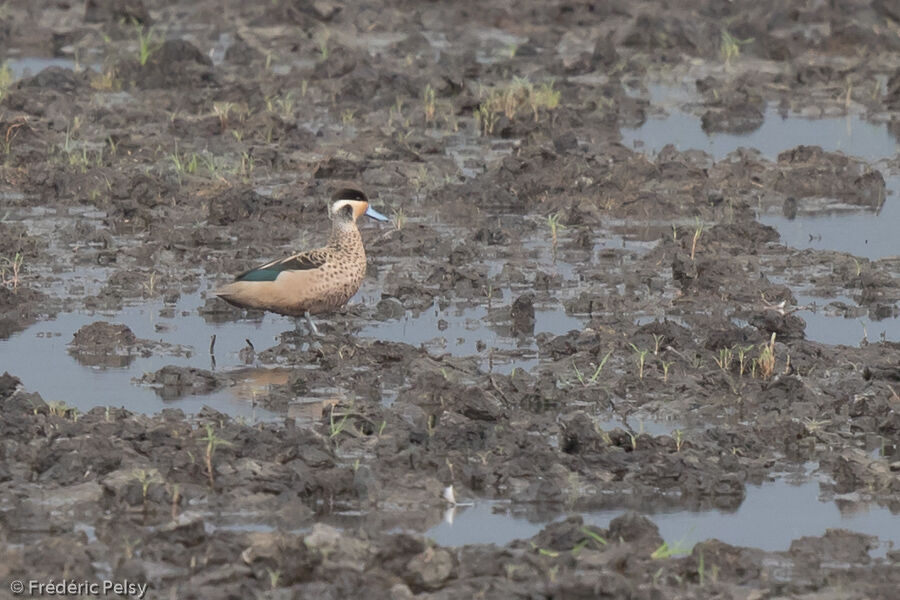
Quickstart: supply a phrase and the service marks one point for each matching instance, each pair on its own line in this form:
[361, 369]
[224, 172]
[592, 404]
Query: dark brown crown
[349, 194]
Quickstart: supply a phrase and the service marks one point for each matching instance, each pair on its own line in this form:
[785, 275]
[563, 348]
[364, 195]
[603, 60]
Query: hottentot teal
[314, 281]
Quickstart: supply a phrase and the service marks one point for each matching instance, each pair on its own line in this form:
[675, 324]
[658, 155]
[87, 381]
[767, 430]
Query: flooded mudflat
[646, 331]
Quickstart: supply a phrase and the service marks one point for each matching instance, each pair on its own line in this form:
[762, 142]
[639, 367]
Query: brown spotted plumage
[314, 281]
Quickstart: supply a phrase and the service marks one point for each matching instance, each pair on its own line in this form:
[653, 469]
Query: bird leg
[312, 326]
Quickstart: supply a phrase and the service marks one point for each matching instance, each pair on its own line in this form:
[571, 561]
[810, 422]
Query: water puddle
[848, 134]
[476, 331]
[27, 66]
[640, 425]
[181, 337]
[866, 233]
[838, 320]
[28, 353]
[772, 515]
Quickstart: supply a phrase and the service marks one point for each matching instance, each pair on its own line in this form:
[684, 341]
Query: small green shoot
[274, 577]
[150, 285]
[146, 478]
[282, 105]
[554, 225]
[184, 164]
[212, 441]
[485, 119]
[58, 409]
[742, 358]
[544, 551]
[336, 427]
[679, 440]
[323, 36]
[147, 43]
[544, 96]
[399, 219]
[640, 359]
[11, 269]
[594, 536]
[730, 47]
[6, 78]
[766, 360]
[698, 230]
[666, 366]
[223, 111]
[724, 359]
[512, 98]
[429, 102]
[248, 164]
[668, 551]
[589, 381]
[106, 81]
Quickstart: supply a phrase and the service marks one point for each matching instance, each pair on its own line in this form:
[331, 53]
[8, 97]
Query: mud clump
[174, 64]
[104, 344]
[522, 315]
[810, 171]
[19, 307]
[737, 119]
[115, 11]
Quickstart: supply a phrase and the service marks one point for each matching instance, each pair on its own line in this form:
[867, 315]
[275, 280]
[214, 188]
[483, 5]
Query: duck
[314, 281]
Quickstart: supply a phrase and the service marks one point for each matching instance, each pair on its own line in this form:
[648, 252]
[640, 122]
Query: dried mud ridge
[139, 182]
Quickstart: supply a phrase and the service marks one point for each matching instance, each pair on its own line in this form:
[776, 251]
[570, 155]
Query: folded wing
[304, 261]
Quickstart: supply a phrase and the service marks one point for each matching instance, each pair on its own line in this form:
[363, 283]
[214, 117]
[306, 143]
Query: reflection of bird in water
[314, 281]
[251, 383]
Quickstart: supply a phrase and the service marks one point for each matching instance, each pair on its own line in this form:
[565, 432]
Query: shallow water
[848, 134]
[639, 425]
[472, 331]
[187, 336]
[28, 353]
[865, 233]
[32, 65]
[771, 516]
[823, 325]
[837, 319]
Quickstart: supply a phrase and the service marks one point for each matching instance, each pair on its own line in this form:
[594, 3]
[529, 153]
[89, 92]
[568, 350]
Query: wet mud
[638, 297]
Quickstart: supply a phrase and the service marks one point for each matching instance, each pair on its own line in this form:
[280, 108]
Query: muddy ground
[131, 179]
